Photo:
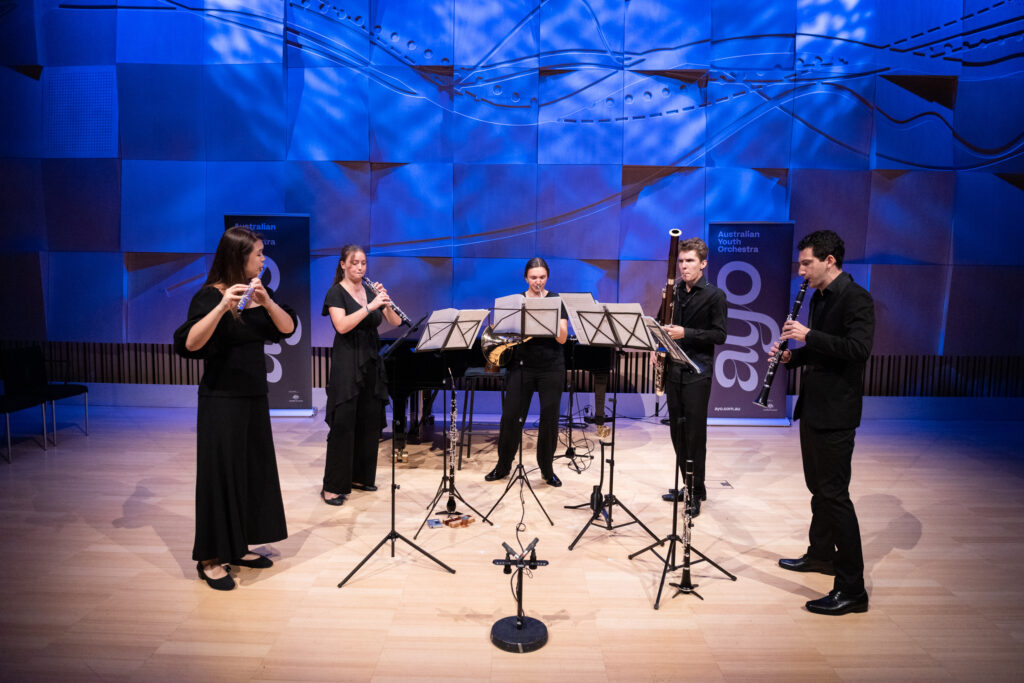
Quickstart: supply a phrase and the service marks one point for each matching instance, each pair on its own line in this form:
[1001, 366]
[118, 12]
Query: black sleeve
[714, 333]
[204, 301]
[335, 298]
[859, 321]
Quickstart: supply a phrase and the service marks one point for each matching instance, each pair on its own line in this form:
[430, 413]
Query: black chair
[25, 375]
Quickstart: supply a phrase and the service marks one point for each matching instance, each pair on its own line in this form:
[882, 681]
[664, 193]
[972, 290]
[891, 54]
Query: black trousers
[352, 442]
[688, 425]
[521, 383]
[834, 533]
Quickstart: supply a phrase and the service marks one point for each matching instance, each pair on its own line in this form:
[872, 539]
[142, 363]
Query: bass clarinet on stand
[773, 364]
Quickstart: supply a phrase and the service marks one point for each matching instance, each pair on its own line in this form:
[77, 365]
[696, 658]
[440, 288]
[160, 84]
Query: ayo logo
[276, 370]
[736, 363]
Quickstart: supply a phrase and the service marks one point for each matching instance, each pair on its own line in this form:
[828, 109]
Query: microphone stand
[519, 633]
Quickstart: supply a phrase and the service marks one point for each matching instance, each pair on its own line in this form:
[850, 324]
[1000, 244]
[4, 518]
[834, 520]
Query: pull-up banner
[286, 248]
[752, 263]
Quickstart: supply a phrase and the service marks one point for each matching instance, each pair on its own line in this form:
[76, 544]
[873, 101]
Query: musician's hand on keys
[675, 331]
[793, 329]
[786, 355]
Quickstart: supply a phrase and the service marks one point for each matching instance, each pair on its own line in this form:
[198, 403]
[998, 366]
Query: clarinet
[394, 307]
[773, 364]
[453, 440]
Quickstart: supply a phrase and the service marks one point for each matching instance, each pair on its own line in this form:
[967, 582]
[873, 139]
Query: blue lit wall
[456, 138]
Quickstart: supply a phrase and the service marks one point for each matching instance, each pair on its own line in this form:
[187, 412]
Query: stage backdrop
[752, 263]
[286, 248]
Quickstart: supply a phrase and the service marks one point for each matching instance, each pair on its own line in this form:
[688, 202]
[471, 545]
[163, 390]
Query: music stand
[620, 326]
[449, 329]
[393, 535]
[533, 317]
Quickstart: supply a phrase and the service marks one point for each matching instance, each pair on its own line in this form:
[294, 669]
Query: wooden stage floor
[97, 582]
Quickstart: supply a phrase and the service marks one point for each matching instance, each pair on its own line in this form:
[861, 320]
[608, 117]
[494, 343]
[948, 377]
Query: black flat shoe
[224, 583]
[496, 474]
[336, 502]
[260, 562]
[838, 602]
[806, 563]
[363, 487]
[673, 495]
[553, 480]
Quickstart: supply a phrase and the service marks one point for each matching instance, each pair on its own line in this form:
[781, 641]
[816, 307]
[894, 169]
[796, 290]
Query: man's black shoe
[806, 563]
[496, 474]
[695, 507]
[674, 495]
[837, 602]
[553, 480]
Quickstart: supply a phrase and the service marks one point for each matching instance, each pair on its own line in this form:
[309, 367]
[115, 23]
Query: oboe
[773, 364]
[395, 308]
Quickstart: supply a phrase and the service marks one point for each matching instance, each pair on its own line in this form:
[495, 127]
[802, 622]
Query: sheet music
[574, 301]
[541, 316]
[466, 328]
[664, 342]
[629, 328]
[507, 314]
[437, 328]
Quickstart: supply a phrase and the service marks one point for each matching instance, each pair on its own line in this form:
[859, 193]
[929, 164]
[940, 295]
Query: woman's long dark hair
[536, 262]
[345, 251]
[232, 253]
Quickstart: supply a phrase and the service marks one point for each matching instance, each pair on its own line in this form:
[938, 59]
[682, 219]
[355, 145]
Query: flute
[394, 307]
[773, 364]
[244, 301]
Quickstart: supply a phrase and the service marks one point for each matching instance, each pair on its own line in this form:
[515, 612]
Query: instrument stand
[519, 474]
[393, 535]
[570, 451]
[602, 505]
[519, 633]
[448, 479]
[685, 584]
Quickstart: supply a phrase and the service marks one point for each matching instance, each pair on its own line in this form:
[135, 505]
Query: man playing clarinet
[698, 324]
[837, 343]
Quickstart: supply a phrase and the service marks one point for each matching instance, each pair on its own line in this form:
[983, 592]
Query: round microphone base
[506, 636]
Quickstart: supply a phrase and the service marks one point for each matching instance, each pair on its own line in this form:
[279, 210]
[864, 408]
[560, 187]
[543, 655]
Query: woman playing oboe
[357, 387]
[238, 494]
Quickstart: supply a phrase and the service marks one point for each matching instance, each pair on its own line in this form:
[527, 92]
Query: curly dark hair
[823, 243]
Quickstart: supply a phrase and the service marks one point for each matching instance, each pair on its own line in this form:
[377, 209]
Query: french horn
[496, 347]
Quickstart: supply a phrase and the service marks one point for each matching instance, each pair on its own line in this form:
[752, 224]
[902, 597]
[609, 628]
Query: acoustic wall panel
[665, 117]
[911, 217]
[578, 211]
[336, 195]
[656, 199]
[243, 31]
[21, 110]
[496, 33]
[83, 201]
[23, 304]
[984, 317]
[409, 110]
[494, 118]
[77, 36]
[162, 112]
[749, 120]
[328, 117]
[834, 200]
[412, 209]
[80, 115]
[578, 118]
[168, 35]
[245, 117]
[413, 32]
[22, 205]
[988, 122]
[252, 187]
[495, 209]
[833, 120]
[987, 219]
[85, 296]
[910, 308]
[163, 206]
[747, 194]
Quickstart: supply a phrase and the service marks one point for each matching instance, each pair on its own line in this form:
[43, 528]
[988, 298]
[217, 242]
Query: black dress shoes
[496, 474]
[363, 487]
[695, 507]
[674, 495]
[260, 562]
[224, 583]
[553, 480]
[337, 502]
[806, 563]
[839, 602]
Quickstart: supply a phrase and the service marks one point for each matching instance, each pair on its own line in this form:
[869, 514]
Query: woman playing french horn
[537, 365]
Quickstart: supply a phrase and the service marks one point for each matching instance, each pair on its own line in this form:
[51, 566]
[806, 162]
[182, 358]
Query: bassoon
[668, 300]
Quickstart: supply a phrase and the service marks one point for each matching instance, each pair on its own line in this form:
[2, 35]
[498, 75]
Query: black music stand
[620, 326]
[534, 318]
[448, 330]
[393, 535]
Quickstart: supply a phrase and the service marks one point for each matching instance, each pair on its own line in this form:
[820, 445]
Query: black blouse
[235, 360]
[355, 357]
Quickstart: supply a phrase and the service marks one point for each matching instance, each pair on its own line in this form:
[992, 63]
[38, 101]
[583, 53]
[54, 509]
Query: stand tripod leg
[520, 476]
[393, 536]
[705, 558]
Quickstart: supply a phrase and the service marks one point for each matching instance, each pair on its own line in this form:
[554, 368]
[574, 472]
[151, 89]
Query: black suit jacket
[834, 354]
[703, 313]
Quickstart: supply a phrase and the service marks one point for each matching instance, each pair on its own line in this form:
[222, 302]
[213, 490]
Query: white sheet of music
[436, 329]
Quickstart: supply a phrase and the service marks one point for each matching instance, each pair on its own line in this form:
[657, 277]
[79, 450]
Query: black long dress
[356, 394]
[238, 493]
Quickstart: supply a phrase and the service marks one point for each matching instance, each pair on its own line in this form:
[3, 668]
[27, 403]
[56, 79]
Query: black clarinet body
[773, 364]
